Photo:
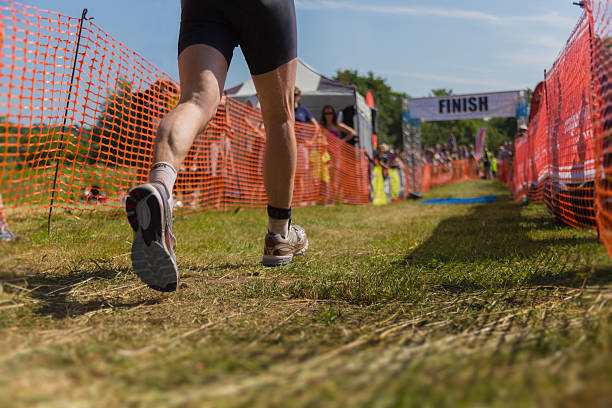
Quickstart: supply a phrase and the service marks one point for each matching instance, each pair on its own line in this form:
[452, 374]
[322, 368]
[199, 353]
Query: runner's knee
[203, 102]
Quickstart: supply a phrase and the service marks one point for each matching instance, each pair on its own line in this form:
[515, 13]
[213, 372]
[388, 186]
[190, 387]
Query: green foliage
[110, 135]
[36, 146]
[388, 103]
[441, 92]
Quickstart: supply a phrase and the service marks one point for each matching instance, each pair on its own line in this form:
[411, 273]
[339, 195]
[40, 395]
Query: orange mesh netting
[3, 223]
[600, 13]
[436, 175]
[557, 160]
[85, 107]
[96, 128]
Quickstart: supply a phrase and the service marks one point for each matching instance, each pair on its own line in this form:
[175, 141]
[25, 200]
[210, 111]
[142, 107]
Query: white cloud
[395, 10]
[490, 83]
[552, 18]
[540, 52]
[537, 59]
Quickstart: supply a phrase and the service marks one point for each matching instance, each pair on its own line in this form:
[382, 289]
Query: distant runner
[266, 32]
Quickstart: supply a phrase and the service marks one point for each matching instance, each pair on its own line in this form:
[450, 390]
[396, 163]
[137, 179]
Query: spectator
[471, 152]
[302, 114]
[494, 165]
[486, 163]
[384, 155]
[429, 155]
[329, 119]
[452, 142]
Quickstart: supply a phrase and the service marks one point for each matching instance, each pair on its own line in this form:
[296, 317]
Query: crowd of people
[488, 161]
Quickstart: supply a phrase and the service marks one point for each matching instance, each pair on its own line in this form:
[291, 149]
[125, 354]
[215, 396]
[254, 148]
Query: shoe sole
[277, 260]
[152, 261]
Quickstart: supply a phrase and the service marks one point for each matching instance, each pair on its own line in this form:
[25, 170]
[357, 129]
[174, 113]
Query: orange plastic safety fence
[436, 175]
[78, 116]
[601, 23]
[503, 172]
[97, 127]
[557, 160]
[3, 223]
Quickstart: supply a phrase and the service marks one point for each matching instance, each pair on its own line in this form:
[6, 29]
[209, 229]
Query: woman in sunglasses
[329, 119]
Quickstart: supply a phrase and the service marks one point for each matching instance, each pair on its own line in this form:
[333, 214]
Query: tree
[33, 146]
[388, 103]
[111, 135]
[124, 131]
[441, 92]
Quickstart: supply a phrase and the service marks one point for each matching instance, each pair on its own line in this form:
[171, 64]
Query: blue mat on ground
[451, 200]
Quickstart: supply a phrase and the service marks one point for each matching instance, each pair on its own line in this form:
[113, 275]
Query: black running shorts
[264, 29]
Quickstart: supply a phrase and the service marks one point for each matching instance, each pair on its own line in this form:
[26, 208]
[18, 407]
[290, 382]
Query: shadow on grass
[53, 292]
[497, 233]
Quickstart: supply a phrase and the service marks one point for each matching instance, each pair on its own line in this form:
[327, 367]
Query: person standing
[493, 165]
[486, 164]
[210, 30]
[302, 114]
[329, 120]
[452, 142]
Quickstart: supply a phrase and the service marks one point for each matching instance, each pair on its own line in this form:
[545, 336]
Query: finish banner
[453, 107]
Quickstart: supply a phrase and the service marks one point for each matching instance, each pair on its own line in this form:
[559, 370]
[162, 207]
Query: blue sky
[465, 45]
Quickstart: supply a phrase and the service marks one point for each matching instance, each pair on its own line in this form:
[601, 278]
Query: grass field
[406, 305]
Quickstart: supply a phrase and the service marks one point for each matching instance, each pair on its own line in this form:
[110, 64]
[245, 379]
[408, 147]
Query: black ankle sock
[279, 213]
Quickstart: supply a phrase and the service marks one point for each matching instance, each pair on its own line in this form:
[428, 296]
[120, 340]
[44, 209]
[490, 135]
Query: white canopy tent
[318, 91]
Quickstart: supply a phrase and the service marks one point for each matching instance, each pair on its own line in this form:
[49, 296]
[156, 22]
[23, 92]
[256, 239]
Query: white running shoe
[279, 250]
[150, 216]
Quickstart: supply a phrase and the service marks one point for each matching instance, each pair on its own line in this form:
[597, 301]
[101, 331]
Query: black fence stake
[57, 161]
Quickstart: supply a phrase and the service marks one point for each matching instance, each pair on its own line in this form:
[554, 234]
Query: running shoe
[150, 216]
[279, 250]
[6, 234]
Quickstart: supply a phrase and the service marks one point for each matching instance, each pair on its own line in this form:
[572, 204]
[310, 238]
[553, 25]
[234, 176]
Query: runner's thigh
[268, 33]
[208, 22]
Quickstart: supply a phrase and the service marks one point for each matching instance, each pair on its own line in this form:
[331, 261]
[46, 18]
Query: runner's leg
[149, 206]
[275, 92]
[202, 71]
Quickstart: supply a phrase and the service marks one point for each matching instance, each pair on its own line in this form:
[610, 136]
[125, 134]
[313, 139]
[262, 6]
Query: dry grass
[406, 305]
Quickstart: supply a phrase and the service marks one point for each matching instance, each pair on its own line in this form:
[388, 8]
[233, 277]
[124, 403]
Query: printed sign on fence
[453, 107]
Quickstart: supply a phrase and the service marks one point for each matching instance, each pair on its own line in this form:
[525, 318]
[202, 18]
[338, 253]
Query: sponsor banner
[480, 140]
[453, 107]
